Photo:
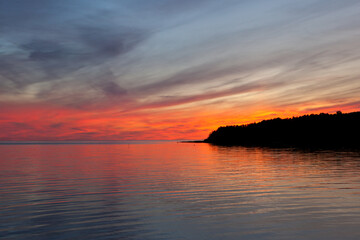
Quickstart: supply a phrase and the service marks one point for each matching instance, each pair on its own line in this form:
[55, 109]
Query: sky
[171, 69]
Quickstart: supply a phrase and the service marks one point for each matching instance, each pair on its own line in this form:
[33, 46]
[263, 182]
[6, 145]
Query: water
[169, 190]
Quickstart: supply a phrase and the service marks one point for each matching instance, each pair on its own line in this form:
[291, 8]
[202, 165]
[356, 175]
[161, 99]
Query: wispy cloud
[106, 62]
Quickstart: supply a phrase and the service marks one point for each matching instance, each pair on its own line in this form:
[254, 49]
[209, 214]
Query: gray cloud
[113, 89]
[124, 54]
[169, 101]
[50, 41]
[111, 42]
[105, 81]
[21, 125]
[95, 45]
[335, 107]
[56, 125]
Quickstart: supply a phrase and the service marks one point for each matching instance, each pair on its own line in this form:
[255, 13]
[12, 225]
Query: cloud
[45, 50]
[56, 125]
[106, 81]
[21, 125]
[111, 42]
[107, 57]
[335, 107]
[169, 101]
[113, 89]
[50, 47]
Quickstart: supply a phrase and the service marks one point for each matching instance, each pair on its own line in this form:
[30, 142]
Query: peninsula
[338, 130]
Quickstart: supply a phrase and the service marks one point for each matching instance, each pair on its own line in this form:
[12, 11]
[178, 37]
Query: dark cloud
[45, 50]
[105, 81]
[53, 58]
[77, 129]
[53, 39]
[56, 125]
[113, 89]
[21, 125]
[94, 47]
[111, 42]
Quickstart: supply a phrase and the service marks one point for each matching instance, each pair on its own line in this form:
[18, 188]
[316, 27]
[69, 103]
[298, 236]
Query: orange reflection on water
[176, 189]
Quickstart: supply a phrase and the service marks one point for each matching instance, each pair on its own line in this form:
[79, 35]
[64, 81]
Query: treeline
[316, 130]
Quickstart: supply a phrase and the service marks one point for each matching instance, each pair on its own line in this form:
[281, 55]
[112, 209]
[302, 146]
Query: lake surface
[169, 190]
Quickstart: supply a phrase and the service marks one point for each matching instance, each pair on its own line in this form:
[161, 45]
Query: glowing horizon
[170, 69]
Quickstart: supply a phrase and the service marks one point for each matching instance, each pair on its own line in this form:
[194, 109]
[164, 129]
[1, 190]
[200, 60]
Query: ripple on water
[177, 191]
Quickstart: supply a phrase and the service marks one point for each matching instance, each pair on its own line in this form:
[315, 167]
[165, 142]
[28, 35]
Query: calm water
[168, 190]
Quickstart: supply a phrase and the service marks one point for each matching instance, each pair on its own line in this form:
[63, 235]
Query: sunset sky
[171, 69]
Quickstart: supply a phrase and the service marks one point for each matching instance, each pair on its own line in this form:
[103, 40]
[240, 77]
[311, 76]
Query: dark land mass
[309, 131]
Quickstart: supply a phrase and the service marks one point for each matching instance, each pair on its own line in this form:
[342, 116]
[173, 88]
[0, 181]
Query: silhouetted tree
[321, 130]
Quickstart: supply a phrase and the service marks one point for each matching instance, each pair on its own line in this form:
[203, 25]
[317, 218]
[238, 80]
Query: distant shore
[193, 141]
[311, 131]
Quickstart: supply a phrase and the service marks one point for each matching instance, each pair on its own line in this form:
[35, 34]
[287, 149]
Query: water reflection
[177, 191]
